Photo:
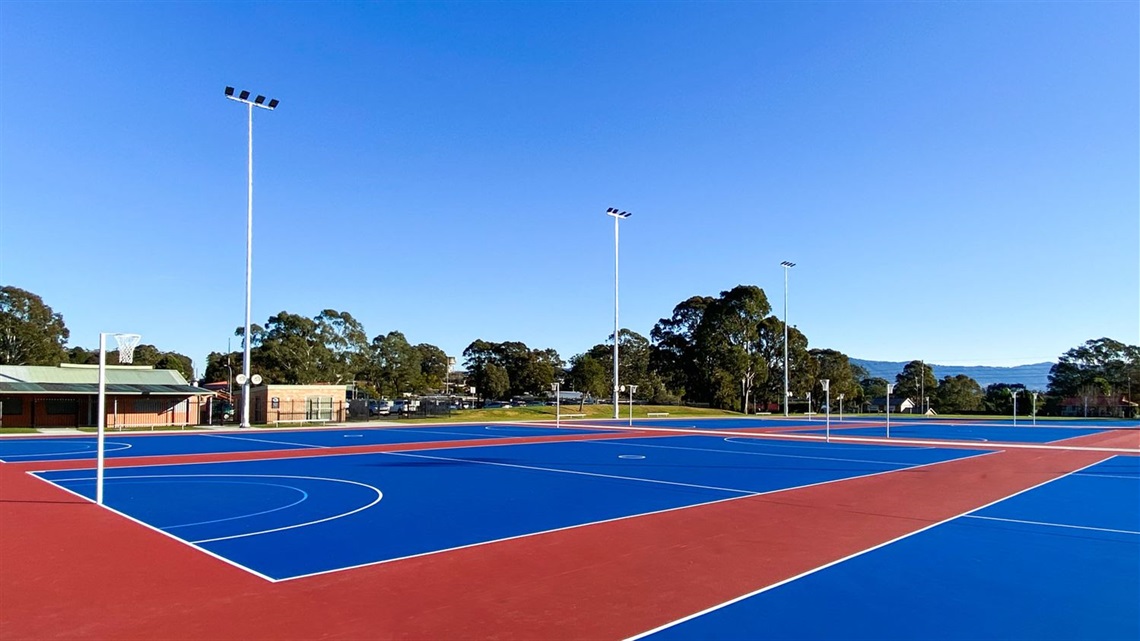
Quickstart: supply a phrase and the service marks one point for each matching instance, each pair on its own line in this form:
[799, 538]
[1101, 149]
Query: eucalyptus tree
[30, 332]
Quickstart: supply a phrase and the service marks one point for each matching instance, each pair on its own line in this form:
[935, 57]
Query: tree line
[725, 351]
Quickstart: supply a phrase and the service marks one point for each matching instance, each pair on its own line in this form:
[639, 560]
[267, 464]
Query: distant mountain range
[1034, 376]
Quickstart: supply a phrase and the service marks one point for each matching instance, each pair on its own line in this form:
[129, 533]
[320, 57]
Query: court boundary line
[880, 441]
[796, 456]
[260, 440]
[94, 450]
[152, 528]
[825, 566]
[1064, 525]
[623, 518]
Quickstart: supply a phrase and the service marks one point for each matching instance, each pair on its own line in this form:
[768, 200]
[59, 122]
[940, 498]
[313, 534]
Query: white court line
[262, 440]
[869, 440]
[1075, 527]
[90, 450]
[615, 519]
[1109, 476]
[577, 472]
[160, 531]
[797, 456]
[838, 561]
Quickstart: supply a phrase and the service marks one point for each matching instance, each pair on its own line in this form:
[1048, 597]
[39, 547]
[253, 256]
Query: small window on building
[61, 406]
[319, 408]
[13, 406]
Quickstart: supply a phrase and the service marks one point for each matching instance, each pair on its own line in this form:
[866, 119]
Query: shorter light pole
[1013, 394]
[826, 383]
[890, 388]
[809, 412]
[632, 389]
[556, 386]
[841, 407]
[1034, 409]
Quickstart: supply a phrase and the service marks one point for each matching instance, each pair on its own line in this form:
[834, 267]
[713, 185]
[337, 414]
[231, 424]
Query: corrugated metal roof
[121, 379]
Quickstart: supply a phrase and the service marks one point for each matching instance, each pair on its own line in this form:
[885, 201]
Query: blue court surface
[966, 432]
[118, 445]
[1061, 561]
[285, 518]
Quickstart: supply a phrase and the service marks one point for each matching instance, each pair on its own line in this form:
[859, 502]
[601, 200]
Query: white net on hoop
[127, 344]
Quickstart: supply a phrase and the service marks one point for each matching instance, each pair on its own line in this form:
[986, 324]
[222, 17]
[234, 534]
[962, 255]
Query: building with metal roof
[66, 396]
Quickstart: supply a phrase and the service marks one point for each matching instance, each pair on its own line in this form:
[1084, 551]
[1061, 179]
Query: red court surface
[70, 569]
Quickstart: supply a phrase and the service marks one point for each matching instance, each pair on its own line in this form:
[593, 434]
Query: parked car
[404, 406]
[379, 408]
[496, 405]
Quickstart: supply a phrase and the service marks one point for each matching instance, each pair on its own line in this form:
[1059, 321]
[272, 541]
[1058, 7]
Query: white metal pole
[248, 280]
[1034, 408]
[617, 407]
[1013, 393]
[102, 423]
[888, 410]
[809, 412]
[785, 340]
[557, 404]
[827, 390]
[631, 390]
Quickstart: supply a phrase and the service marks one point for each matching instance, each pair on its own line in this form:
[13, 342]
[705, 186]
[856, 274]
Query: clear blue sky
[958, 182]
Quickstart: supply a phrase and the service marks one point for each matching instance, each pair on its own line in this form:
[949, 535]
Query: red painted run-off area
[69, 569]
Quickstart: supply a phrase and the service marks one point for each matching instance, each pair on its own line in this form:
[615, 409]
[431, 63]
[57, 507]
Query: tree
[289, 350]
[801, 366]
[873, 387]
[999, 398]
[959, 394]
[836, 367]
[588, 375]
[30, 332]
[433, 366]
[1101, 364]
[495, 382]
[915, 381]
[346, 348]
[728, 344]
[221, 367]
[396, 365]
[672, 355]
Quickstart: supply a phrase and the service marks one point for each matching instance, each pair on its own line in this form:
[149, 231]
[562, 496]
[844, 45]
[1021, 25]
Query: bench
[656, 414]
[573, 416]
[299, 421]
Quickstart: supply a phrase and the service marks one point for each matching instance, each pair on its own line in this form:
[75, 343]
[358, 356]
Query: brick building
[295, 403]
[67, 396]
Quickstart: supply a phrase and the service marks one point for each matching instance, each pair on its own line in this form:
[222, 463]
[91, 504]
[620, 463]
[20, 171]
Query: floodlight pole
[890, 388]
[786, 265]
[618, 216]
[259, 101]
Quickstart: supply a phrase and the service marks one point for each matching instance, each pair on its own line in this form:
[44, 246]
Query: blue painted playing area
[964, 432]
[1061, 561]
[285, 518]
[126, 445]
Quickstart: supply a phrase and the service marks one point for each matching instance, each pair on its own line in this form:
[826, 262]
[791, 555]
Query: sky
[957, 182]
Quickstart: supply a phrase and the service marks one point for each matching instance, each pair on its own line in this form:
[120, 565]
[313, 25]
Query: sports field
[686, 528]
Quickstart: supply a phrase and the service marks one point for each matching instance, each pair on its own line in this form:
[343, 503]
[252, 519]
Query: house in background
[879, 404]
[1099, 405]
[67, 396]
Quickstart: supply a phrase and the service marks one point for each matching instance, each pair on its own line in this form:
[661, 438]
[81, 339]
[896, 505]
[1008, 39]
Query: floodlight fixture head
[617, 213]
[787, 264]
[258, 101]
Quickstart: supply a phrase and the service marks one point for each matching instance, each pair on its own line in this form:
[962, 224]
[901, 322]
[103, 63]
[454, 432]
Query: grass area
[546, 413]
[18, 430]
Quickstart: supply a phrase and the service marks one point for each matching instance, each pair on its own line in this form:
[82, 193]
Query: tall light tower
[618, 216]
[259, 101]
[786, 265]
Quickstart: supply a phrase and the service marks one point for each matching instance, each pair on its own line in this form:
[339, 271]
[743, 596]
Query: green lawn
[18, 430]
